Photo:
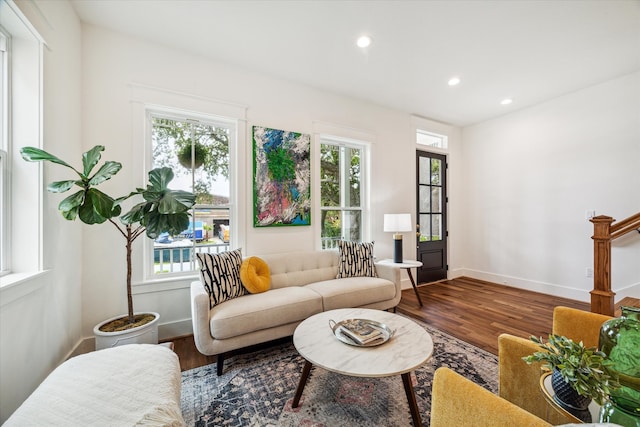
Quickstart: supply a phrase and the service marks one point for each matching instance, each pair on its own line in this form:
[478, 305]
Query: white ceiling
[530, 51]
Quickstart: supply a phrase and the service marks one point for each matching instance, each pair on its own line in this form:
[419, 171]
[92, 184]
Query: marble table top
[409, 348]
[406, 263]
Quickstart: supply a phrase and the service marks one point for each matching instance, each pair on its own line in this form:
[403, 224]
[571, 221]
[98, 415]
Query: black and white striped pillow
[356, 260]
[221, 275]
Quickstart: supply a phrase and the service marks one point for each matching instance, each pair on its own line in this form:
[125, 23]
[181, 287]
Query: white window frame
[22, 217]
[5, 171]
[365, 159]
[186, 116]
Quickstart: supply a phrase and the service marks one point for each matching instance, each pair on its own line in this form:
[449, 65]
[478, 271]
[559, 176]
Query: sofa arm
[457, 401]
[578, 325]
[200, 318]
[392, 274]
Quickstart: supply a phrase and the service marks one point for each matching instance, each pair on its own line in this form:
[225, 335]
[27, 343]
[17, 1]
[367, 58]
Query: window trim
[144, 97]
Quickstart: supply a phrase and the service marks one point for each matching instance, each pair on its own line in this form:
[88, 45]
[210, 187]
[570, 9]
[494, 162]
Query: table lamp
[397, 223]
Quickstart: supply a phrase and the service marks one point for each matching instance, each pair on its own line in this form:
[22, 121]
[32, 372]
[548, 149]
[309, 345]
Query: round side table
[406, 264]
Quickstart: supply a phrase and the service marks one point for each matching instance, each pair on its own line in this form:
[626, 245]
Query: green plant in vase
[586, 370]
[161, 209]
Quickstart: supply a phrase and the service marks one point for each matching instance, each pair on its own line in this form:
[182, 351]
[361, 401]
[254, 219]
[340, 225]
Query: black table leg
[411, 398]
[415, 288]
[303, 381]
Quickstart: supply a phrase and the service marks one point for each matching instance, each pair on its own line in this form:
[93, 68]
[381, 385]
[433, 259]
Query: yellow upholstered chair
[519, 383]
[457, 401]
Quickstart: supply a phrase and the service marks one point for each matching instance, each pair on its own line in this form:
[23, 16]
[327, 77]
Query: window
[432, 140]
[199, 152]
[342, 191]
[21, 94]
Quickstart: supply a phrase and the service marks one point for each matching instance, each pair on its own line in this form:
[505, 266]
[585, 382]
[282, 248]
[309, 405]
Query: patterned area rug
[257, 389]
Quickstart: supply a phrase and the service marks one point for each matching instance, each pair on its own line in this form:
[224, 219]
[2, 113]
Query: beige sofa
[302, 284]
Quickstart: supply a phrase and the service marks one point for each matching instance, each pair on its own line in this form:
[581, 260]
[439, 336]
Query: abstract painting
[281, 177]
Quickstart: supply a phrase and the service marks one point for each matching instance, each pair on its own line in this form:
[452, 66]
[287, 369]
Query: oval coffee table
[409, 348]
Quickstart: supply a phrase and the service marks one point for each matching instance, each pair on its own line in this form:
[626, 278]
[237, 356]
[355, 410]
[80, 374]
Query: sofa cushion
[356, 259]
[353, 291]
[221, 275]
[255, 312]
[255, 275]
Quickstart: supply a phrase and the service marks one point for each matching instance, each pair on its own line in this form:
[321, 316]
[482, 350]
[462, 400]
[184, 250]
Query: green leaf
[33, 154]
[159, 178]
[88, 213]
[106, 171]
[136, 214]
[170, 223]
[62, 186]
[91, 158]
[97, 207]
[71, 214]
[176, 201]
[72, 203]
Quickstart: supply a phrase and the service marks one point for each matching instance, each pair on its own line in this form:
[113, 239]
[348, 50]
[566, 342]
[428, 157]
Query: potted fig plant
[161, 210]
[580, 374]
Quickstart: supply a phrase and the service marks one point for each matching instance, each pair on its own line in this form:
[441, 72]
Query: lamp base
[397, 250]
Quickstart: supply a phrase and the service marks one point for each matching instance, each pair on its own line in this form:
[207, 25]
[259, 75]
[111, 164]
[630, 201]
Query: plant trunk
[129, 296]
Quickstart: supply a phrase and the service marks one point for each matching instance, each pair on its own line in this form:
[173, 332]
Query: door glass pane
[425, 200]
[436, 200]
[436, 171]
[425, 228]
[352, 159]
[436, 227]
[424, 174]
[329, 175]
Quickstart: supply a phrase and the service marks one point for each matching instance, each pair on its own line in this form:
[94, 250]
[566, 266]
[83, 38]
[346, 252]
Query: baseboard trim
[529, 285]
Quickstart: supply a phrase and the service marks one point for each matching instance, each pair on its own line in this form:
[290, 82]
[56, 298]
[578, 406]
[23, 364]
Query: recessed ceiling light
[454, 81]
[506, 101]
[363, 41]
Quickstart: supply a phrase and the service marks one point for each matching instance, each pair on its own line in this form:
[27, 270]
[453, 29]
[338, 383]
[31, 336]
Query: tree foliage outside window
[340, 193]
[176, 143]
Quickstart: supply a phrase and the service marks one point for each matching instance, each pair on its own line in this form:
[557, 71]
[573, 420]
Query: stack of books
[360, 331]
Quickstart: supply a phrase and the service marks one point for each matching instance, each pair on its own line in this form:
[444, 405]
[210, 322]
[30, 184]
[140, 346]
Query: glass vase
[620, 340]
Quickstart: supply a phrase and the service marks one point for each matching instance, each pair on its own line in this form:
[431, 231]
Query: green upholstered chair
[457, 401]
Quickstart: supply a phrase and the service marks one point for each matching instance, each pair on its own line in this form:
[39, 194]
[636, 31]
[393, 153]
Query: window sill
[16, 285]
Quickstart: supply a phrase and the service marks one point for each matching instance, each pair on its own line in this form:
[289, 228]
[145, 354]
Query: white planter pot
[145, 334]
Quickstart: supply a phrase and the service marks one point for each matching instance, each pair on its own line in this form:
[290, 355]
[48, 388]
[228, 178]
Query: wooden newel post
[602, 300]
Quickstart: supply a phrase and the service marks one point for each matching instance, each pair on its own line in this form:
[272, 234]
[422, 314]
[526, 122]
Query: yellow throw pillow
[255, 275]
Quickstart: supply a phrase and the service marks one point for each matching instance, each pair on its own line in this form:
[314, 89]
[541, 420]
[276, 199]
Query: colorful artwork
[281, 178]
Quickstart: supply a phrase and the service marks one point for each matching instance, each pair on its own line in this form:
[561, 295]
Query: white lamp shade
[397, 223]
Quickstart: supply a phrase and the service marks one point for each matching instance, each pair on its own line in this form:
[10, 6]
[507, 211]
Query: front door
[432, 216]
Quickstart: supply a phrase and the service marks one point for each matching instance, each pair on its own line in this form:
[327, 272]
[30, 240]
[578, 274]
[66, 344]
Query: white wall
[112, 62]
[531, 175]
[40, 319]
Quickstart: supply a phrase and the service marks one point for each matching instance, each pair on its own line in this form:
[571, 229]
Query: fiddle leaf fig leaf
[72, 202]
[176, 201]
[33, 154]
[91, 158]
[159, 178]
[106, 171]
[62, 186]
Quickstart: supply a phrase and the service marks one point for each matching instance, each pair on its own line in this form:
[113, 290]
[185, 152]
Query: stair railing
[604, 231]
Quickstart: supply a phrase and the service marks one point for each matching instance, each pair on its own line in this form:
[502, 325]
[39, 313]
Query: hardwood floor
[471, 310]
